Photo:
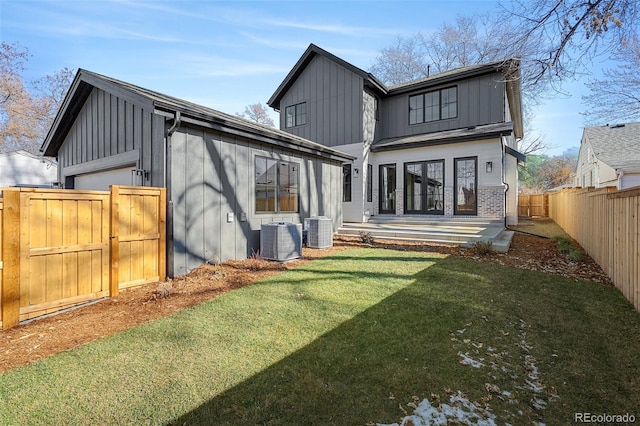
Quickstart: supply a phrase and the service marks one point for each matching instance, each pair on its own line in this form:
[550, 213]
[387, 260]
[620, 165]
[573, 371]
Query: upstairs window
[433, 106]
[296, 115]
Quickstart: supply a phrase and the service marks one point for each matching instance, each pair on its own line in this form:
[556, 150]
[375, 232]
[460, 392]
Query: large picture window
[433, 106]
[277, 185]
[296, 115]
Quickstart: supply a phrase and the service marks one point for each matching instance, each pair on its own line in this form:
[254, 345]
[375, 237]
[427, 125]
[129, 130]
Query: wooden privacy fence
[606, 224]
[60, 248]
[530, 205]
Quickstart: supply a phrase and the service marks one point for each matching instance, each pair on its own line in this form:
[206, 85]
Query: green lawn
[353, 339]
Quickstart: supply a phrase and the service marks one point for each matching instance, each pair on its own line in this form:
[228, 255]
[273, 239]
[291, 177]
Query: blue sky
[227, 55]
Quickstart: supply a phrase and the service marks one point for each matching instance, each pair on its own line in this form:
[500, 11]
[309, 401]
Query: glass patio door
[387, 188]
[424, 187]
[466, 186]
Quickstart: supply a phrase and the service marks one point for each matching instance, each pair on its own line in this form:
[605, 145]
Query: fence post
[11, 258]
[162, 229]
[114, 237]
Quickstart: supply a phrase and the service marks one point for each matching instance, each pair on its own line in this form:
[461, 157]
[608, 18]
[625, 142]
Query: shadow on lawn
[408, 345]
[362, 370]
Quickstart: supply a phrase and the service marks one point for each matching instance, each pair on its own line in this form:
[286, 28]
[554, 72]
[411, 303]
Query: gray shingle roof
[444, 137]
[618, 146]
[159, 100]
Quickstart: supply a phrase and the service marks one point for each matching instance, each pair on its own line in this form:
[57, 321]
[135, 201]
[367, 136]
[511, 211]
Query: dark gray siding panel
[480, 101]
[107, 126]
[213, 176]
[334, 103]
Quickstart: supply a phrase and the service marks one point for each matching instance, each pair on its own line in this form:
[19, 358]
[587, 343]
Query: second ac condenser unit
[319, 232]
[281, 241]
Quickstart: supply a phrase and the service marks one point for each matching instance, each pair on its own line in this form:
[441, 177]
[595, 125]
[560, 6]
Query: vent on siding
[281, 241]
[320, 232]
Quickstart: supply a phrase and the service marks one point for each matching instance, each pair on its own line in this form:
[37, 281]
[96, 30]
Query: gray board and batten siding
[333, 95]
[112, 130]
[213, 175]
[481, 101]
[203, 157]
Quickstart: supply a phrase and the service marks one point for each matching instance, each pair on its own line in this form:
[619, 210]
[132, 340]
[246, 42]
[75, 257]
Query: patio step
[449, 231]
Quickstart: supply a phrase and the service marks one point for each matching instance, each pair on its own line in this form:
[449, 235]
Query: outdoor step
[410, 234]
[453, 221]
[450, 231]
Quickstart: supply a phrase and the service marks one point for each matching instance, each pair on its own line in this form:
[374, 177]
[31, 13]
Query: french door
[466, 185]
[424, 187]
[387, 187]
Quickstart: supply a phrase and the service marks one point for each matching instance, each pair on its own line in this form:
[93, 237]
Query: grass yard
[362, 337]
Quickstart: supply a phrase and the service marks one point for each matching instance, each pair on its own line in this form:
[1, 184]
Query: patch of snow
[459, 410]
[466, 360]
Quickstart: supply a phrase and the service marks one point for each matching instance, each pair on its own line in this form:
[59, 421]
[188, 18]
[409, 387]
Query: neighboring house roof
[617, 146]
[85, 81]
[510, 67]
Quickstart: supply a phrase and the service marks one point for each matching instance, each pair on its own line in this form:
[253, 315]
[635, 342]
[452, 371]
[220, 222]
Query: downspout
[167, 181]
[503, 177]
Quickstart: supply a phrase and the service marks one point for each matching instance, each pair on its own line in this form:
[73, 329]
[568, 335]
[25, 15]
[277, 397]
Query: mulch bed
[49, 335]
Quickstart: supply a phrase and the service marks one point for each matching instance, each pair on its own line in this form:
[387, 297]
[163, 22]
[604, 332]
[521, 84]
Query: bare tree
[26, 112]
[258, 114]
[567, 34]
[542, 173]
[616, 96]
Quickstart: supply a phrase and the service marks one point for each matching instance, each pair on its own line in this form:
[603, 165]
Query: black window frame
[347, 177]
[456, 209]
[274, 190]
[299, 116]
[424, 201]
[369, 183]
[422, 108]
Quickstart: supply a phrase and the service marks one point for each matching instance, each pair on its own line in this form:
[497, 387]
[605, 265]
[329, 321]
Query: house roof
[468, 134]
[510, 67]
[85, 81]
[618, 146]
[455, 74]
[311, 52]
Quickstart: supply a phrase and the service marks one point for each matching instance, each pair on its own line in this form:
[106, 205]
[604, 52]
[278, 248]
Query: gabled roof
[311, 52]
[473, 133]
[85, 81]
[455, 74]
[509, 67]
[618, 146]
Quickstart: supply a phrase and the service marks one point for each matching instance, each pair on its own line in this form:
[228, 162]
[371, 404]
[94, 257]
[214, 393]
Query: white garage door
[101, 180]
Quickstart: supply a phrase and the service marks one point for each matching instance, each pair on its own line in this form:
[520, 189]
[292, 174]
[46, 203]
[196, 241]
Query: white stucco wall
[22, 168]
[490, 187]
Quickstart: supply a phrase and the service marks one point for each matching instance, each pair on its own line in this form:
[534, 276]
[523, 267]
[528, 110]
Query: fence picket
[605, 223]
[59, 248]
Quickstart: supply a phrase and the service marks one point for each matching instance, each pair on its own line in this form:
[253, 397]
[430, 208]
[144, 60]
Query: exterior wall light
[489, 166]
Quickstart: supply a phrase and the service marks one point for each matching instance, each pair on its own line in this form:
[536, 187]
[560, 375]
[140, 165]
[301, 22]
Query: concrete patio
[439, 230]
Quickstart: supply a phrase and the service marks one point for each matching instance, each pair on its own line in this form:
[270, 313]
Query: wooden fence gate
[60, 248]
[530, 205]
